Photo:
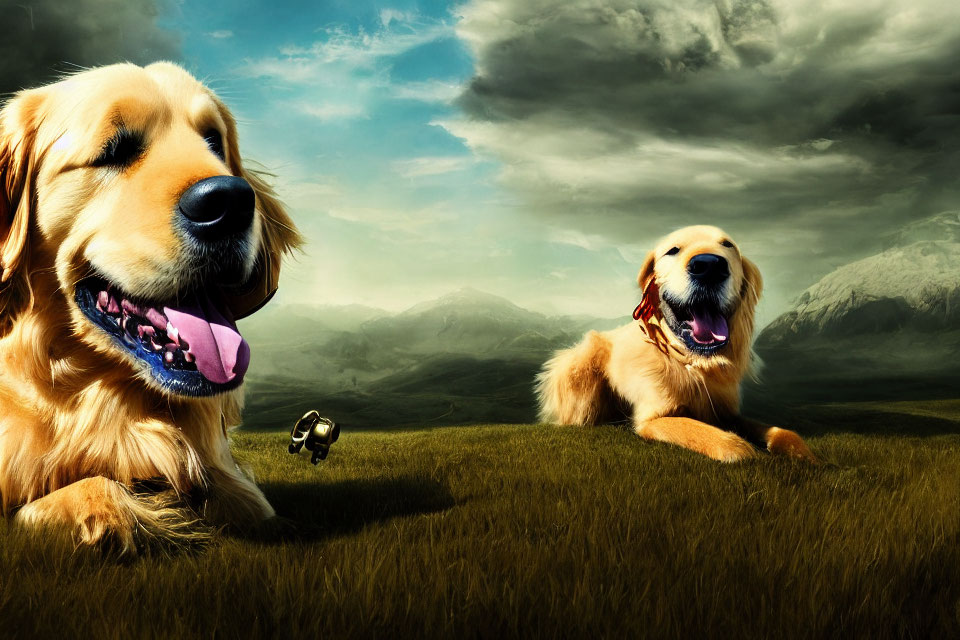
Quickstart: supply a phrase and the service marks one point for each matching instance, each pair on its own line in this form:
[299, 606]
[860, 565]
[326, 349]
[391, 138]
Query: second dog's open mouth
[703, 329]
[191, 346]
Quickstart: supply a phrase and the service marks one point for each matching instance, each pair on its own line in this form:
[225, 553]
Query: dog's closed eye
[215, 142]
[121, 150]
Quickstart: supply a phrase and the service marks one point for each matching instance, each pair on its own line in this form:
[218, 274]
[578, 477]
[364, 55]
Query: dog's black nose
[217, 207]
[708, 268]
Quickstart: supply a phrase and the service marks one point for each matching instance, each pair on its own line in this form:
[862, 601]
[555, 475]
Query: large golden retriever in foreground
[676, 372]
[131, 238]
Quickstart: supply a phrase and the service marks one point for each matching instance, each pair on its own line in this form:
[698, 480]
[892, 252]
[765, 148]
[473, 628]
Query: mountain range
[467, 356]
[884, 326]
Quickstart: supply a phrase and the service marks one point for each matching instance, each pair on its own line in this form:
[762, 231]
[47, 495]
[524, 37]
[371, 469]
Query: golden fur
[647, 375]
[79, 424]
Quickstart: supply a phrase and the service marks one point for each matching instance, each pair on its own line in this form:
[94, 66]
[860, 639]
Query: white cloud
[333, 111]
[313, 198]
[311, 194]
[345, 73]
[393, 15]
[431, 165]
[428, 91]
[389, 219]
[220, 34]
[349, 49]
[575, 238]
[889, 30]
[547, 156]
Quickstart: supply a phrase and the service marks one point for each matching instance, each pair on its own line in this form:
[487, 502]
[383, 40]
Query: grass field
[539, 531]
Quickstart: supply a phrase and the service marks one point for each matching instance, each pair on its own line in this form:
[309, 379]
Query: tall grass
[538, 531]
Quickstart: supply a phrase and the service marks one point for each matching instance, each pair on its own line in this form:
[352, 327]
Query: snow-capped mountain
[886, 326]
[914, 284]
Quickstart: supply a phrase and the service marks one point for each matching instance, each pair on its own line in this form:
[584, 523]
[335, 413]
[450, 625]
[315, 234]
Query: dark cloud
[41, 39]
[692, 83]
[828, 121]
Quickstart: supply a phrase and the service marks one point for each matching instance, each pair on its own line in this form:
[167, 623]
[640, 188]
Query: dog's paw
[783, 442]
[234, 500]
[89, 511]
[732, 448]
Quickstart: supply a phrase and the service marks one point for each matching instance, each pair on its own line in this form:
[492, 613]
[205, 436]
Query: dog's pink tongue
[222, 355]
[708, 328]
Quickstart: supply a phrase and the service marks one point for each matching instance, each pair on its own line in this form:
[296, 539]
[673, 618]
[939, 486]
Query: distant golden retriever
[676, 372]
[131, 238]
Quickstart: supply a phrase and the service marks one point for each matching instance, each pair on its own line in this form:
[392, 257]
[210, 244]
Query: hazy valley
[465, 357]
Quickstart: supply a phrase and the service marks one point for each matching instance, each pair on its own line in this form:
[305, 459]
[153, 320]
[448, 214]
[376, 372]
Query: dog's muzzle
[215, 217]
[708, 269]
[217, 208]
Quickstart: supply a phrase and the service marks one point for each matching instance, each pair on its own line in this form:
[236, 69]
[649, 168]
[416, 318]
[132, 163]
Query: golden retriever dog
[676, 372]
[131, 239]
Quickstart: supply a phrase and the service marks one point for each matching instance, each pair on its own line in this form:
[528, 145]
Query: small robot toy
[314, 432]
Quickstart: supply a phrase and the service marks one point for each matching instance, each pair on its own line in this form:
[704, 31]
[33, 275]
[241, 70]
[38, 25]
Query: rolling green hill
[440, 389]
[466, 357]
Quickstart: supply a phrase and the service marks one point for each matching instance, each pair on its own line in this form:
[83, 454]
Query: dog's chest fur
[72, 417]
[660, 384]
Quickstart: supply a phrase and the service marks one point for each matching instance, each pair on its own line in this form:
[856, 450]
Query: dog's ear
[752, 285]
[646, 270]
[279, 236]
[18, 120]
[743, 321]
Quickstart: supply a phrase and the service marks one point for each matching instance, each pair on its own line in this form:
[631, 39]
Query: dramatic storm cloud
[581, 130]
[41, 39]
[805, 128]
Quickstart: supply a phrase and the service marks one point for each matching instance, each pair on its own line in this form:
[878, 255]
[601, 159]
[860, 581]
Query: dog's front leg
[234, 499]
[698, 436]
[778, 441]
[98, 511]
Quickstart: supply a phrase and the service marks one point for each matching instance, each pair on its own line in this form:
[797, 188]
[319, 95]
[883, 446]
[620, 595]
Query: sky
[536, 149]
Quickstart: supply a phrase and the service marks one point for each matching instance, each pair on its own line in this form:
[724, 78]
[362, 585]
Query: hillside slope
[467, 356]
